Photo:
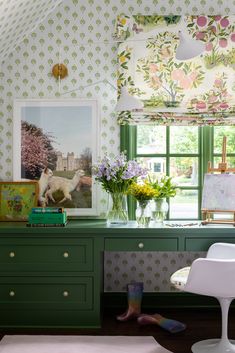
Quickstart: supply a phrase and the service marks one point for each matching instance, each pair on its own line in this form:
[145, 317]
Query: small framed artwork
[17, 199]
[56, 142]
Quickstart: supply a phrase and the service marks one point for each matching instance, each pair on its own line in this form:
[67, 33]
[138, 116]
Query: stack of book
[47, 217]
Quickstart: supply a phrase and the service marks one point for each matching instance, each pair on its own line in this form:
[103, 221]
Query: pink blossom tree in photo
[37, 151]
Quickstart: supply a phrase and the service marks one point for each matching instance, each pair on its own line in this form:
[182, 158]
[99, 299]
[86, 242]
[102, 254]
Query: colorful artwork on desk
[17, 199]
[219, 192]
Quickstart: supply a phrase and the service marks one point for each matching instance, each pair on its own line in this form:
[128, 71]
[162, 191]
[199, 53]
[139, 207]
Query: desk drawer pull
[65, 293]
[66, 254]
[12, 293]
[140, 245]
[12, 254]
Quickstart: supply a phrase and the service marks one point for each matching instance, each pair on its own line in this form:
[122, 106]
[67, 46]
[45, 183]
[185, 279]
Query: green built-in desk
[52, 277]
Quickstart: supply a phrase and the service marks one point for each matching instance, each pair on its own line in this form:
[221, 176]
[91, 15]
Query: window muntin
[173, 151]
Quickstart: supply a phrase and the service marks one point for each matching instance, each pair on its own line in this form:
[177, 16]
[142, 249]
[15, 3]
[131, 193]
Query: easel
[222, 166]
[207, 215]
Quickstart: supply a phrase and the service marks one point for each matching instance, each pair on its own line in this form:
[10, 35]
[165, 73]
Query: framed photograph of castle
[56, 143]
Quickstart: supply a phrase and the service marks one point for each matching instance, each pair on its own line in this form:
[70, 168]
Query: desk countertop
[99, 226]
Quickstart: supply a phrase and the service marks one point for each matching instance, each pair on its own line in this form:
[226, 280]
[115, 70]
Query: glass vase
[160, 210]
[143, 214]
[117, 214]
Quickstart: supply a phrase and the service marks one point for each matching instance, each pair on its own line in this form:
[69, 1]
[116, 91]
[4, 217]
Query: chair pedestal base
[214, 346]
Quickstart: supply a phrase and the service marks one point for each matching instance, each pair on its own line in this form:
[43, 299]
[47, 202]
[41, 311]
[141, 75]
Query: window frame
[128, 144]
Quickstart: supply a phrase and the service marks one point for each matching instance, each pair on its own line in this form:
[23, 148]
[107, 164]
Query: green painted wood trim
[207, 148]
[128, 139]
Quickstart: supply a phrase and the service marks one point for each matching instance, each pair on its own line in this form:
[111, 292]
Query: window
[181, 152]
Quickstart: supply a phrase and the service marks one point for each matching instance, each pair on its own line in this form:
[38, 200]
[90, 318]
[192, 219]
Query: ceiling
[18, 18]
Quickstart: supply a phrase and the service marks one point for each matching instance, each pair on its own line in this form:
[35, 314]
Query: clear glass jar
[160, 210]
[117, 214]
[143, 214]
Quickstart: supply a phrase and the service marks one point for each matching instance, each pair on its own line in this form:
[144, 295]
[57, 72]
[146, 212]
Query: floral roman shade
[198, 91]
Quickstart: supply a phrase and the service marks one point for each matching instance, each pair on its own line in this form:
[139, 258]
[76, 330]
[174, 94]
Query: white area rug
[80, 344]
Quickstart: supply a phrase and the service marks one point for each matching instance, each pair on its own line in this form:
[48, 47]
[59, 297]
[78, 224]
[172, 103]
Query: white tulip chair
[212, 276]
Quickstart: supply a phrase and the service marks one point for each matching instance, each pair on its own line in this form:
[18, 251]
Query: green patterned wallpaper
[77, 30]
[19, 18]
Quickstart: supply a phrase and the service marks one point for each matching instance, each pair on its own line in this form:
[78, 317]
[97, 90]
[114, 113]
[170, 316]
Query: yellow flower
[122, 59]
[123, 21]
[142, 191]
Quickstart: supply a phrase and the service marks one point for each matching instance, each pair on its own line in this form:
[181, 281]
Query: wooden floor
[201, 324]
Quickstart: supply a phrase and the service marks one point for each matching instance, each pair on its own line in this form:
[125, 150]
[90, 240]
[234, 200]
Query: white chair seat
[179, 278]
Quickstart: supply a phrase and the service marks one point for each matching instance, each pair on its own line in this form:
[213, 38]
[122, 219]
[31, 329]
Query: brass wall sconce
[59, 71]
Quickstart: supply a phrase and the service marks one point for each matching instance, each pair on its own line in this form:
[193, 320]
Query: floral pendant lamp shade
[178, 86]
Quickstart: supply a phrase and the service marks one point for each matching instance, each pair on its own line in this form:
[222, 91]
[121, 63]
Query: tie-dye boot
[134, 296]
[173, 326]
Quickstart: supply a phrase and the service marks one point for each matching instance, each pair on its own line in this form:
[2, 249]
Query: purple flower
[116, 175]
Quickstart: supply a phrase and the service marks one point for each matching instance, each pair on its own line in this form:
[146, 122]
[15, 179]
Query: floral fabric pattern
[198, 91]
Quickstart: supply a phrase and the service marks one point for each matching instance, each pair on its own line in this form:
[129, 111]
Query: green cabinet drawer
[27, 254]
[203, 243]
[47, 293]
[141, 244]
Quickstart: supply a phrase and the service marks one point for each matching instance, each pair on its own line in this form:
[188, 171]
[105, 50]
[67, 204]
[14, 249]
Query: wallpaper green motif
[80, 33]
[19, 18]
[152, 268]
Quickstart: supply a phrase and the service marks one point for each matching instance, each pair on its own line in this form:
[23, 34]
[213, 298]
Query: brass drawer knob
[12, 293]
[12, 254]
[66, 254]
[140, 245]
[65, 293]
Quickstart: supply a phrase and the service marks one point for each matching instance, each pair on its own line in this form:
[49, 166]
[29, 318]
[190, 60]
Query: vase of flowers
[164, 188]
[116, 175]
[143, 193]
[117, 209]
[160, 210]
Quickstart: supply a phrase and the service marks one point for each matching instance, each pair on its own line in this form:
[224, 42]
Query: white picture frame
[63, 136]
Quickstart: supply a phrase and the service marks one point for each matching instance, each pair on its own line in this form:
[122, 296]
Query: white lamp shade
[188, 47]
[128, 102]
